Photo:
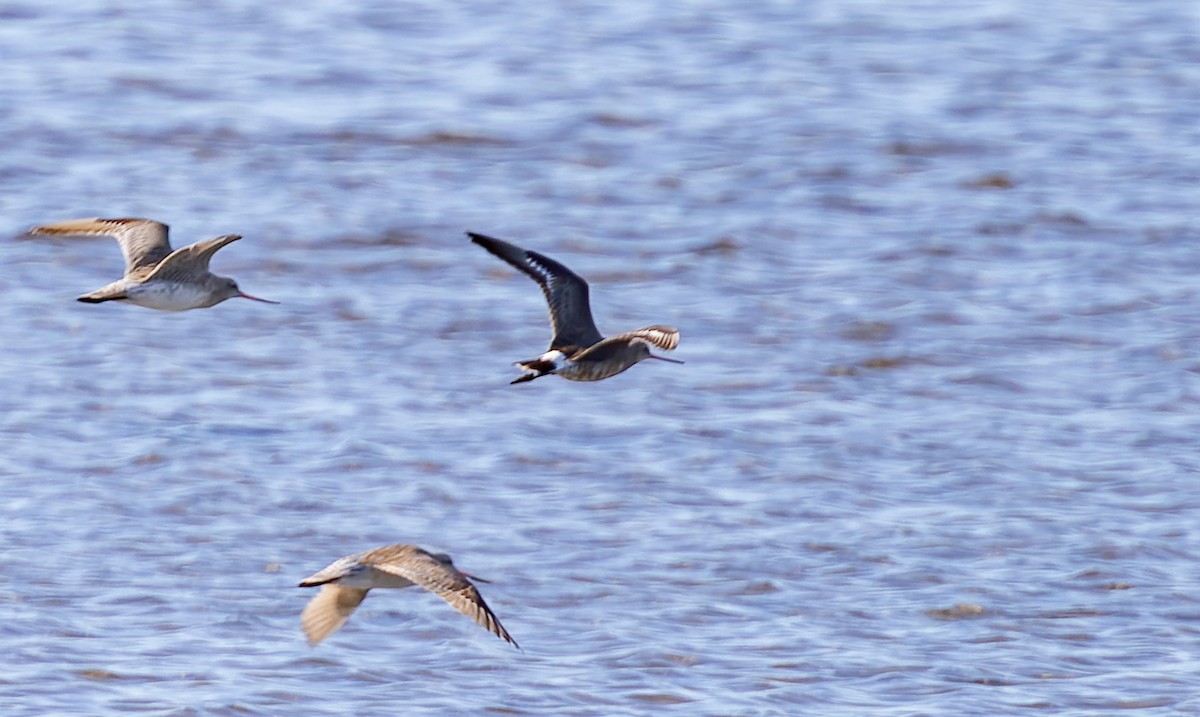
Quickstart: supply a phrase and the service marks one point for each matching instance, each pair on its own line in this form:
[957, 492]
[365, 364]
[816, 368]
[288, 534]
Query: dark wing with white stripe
[566, 292]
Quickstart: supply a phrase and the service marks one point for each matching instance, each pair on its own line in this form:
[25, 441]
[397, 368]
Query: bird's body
[155, 276]
[346, 581]
[578, 352]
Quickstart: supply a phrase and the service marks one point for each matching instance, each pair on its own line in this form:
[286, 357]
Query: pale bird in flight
[155, 276]
[345, 583]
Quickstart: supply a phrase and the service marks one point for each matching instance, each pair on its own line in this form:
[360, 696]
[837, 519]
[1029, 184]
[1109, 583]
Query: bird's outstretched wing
[329, 610]
[566, 292]
[143, 241]
[438, 575]
[192, 259]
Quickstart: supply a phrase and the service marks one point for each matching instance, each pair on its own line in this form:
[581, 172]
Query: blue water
[933, 451]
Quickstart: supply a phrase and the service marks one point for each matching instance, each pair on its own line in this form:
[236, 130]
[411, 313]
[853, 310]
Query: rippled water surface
[933, 451]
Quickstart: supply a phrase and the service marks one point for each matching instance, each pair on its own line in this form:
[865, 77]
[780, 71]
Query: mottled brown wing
[566, 292]
[615, 348]
[664, 337]
[143, 241]
[329, 610]
[191, 260]
[451, 585]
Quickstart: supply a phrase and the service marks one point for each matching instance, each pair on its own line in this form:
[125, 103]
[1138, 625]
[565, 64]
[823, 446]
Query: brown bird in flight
[578, 352]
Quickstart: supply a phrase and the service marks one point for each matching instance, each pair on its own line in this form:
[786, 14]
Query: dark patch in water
[998, 180]
[961, 611]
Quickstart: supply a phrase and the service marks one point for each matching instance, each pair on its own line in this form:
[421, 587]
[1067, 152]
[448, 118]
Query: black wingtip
[314, 583]
[511, 253]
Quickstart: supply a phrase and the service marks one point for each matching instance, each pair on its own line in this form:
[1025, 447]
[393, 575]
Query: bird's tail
[113, 292]
[535, 368]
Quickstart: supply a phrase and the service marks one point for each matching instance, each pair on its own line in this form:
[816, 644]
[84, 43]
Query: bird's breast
[170, 295]
[592, 370]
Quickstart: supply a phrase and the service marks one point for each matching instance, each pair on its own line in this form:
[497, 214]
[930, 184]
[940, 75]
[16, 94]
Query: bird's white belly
[169, 296]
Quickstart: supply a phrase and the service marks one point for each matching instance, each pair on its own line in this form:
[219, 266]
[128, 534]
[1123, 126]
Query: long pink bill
[244, 295]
